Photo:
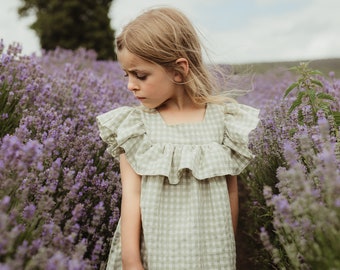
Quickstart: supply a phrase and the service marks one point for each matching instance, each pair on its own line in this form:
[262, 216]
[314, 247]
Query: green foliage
[255, 214]
[310, 93]
[337, 118]
[72, 24]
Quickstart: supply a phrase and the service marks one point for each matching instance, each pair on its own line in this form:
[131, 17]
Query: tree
[72, 24]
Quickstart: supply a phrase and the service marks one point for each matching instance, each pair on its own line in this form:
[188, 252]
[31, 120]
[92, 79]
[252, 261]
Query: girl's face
[151, 84]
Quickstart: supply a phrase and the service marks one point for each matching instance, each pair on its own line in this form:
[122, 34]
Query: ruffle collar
[124, 131]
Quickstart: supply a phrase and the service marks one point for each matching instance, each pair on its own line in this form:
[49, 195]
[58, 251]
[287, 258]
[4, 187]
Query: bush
[59, 190]
[293, 181]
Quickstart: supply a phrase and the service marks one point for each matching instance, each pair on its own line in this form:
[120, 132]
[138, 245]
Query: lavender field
[60, 190]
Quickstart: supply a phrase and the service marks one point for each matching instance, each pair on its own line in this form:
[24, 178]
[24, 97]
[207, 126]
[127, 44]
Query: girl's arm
[130, 216]
[233, 197]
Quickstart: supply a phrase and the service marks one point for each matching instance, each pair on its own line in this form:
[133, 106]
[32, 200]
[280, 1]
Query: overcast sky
[234, 31]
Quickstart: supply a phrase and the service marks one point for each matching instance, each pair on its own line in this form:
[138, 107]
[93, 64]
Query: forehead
[130, 61]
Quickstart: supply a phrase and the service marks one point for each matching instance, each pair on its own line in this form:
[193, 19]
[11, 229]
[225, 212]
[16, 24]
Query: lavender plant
[59, 190]
[308, 87]
[266, 144]
[306, 215]
[272, 215]
[14, 97]
[310, 93]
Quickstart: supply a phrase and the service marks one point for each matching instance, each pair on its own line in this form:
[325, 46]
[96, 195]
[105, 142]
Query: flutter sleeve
[122, 129]
[239, 121]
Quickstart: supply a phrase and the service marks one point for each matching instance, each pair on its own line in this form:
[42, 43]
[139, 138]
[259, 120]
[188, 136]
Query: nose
[132, 85]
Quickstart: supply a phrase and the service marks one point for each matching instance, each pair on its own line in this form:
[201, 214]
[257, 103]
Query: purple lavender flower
[29, 211]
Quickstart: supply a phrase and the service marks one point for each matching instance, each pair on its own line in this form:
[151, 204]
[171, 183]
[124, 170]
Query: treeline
[72, 24]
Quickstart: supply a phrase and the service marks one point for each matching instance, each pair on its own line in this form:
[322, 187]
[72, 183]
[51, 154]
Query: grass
[324, 65]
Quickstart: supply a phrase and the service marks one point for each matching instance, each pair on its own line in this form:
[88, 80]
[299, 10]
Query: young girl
[179, 152]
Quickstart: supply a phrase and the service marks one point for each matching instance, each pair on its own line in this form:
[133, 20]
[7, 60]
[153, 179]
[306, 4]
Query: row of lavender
[294, 183]
[59, 190]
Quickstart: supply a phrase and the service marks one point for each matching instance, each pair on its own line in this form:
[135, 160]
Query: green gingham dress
[186, 217]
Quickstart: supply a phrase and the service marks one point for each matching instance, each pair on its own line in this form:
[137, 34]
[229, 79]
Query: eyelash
[139, 77]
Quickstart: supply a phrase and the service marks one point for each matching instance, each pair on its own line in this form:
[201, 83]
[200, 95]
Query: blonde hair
[163, 35]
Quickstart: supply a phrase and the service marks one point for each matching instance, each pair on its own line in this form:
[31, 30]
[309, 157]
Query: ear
[182, 64]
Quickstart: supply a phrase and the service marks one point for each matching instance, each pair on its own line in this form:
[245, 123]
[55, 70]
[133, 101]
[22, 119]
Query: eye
[141, 77]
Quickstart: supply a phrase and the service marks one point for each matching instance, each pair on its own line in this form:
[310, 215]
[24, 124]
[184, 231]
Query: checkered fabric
[186, 217]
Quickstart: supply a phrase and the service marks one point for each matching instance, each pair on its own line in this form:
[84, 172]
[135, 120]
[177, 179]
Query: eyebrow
[135, 70]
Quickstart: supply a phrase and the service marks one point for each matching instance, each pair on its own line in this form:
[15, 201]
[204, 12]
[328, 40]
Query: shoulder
[241, 116]
[233, 110]
[121, 116]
